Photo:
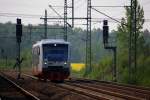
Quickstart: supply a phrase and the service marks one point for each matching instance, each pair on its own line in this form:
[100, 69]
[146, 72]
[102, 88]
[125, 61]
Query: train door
[69, 56]
[36, 59]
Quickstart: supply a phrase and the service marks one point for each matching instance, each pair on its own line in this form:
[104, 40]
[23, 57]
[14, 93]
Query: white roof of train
[50, 41]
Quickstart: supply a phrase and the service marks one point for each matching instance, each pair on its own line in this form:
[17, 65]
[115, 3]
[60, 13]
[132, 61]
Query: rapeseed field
[77, 66]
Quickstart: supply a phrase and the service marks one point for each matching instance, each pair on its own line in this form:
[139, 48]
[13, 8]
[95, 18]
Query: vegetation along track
[11, 91]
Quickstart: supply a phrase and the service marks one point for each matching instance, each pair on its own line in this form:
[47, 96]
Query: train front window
[53, 52]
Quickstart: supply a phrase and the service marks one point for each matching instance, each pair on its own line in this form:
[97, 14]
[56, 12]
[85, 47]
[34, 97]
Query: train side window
[38, 50]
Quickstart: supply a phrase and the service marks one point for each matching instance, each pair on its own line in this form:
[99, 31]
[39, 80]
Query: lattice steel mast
[65, 20]
[45, 25]
[88, 38]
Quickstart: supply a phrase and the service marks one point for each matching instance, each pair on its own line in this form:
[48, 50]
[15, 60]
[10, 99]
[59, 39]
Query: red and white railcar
[51, 59]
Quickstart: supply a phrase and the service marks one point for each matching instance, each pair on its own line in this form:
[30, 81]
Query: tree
[123, 36]
[147, 36]
[124, 28]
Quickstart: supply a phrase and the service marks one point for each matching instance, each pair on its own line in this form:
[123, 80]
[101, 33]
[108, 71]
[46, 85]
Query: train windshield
[55, 52]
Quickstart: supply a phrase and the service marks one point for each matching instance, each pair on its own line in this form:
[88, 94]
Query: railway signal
[105, 31]
[18, 37]
[18, 30]
[110, 47]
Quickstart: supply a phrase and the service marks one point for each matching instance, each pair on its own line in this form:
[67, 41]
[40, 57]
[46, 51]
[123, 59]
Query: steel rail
[75, 90]
[139, 90]
[115, 94]
[82, 89]
[26, 93]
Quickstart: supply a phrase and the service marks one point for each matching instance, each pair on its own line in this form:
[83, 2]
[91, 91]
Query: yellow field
[77, 66]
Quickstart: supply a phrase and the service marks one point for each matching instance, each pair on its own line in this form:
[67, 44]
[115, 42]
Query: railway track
[96, 90]
[90, 92]
[46, 90]
[109, 93]
[76, 90]
[10, 90]
[140, 92]
[99, 90]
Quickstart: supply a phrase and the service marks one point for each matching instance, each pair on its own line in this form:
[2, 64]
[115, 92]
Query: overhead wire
[15, 14]
[106, 15]
[21, 15]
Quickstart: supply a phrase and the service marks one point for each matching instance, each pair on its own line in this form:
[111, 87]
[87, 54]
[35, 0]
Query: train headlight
[65, 63]
[45, 63]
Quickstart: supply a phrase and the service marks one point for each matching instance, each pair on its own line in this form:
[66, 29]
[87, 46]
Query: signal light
[105, 31]
[18, 30]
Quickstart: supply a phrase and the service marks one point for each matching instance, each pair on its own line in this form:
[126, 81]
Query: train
[51, 59]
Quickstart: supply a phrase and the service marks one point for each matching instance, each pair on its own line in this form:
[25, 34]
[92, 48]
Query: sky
[35, 9]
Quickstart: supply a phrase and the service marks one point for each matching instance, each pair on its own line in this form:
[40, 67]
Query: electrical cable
[106, 15]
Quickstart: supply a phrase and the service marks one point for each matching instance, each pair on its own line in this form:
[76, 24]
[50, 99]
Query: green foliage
[124, 27]
[140, 76]
[27, 58]
[79, 74]
[6, 63]
[100, 71]
[141, 73]
[122, 67]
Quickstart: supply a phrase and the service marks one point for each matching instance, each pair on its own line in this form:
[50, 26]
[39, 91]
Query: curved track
[10, 90]
[45, 90]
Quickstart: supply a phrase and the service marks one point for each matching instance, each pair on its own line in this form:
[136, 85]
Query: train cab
[51, 59]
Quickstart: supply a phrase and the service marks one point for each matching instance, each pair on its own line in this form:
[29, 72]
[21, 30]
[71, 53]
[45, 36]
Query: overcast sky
[37, 7]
